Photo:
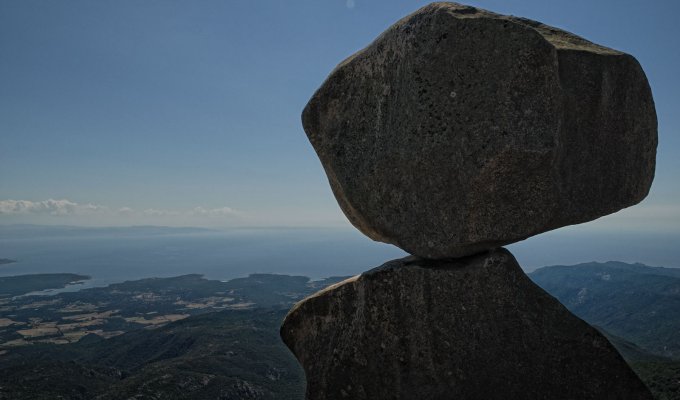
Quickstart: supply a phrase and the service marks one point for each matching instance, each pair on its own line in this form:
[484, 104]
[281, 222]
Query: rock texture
[459, 130]
[474, 328]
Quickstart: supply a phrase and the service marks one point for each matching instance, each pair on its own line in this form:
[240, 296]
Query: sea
[110, 255]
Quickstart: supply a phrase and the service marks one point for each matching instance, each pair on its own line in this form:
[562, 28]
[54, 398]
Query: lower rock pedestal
[470, 328]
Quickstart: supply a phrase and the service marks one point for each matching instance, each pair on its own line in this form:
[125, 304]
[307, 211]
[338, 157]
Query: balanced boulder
[472, 328]
[459, 130]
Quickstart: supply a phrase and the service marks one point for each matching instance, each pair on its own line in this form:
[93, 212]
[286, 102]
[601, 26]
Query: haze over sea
[111, 255]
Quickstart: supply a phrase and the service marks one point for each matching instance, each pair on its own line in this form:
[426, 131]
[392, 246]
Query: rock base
[471, 328]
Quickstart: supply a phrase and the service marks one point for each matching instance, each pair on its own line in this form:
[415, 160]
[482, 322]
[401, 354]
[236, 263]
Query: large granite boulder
[472, 328]
[460, 130]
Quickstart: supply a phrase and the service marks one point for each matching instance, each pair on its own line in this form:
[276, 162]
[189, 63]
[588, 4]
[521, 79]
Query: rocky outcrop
[455, 132]
[459, 130]
[473, 328]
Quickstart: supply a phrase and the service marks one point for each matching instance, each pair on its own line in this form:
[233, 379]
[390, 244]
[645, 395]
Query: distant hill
[631, 301]
[6, 261]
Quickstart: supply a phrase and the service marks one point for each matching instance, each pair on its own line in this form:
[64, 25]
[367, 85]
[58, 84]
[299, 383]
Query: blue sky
[188, 113]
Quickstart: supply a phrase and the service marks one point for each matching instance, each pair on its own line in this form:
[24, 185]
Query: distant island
[18, 285]
[6, 261]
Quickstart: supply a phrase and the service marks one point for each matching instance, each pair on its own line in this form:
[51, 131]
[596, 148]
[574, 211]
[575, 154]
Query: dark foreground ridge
[475, 327]
[238, 350]
[228, 355]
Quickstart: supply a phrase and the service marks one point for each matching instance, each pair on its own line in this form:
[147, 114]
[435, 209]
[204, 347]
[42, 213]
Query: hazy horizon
[115, 254]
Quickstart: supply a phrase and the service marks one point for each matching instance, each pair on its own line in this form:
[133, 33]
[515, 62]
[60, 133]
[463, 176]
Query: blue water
[111, 257]
[126, 254]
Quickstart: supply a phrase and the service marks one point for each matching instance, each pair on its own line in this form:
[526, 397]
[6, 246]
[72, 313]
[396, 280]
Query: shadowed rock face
[459, 130]
[473, 328]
